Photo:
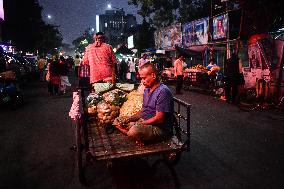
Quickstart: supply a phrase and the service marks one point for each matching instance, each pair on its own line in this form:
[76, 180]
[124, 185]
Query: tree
[157, 12]
[145, 38]
[262, 16]
[50, 39]
[24, 27]
[83, 41]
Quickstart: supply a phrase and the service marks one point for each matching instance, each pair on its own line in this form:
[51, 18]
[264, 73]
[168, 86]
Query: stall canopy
[124, 50]
[188, 52]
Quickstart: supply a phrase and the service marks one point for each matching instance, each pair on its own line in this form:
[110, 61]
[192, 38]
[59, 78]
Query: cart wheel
[172, 158]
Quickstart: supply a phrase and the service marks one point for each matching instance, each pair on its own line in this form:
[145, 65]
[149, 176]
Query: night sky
[75, 16]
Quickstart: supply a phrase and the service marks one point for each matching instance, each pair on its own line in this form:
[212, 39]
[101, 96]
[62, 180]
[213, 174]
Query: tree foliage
[262, 16]
[83, 41]
[145, 39]
[24, 27]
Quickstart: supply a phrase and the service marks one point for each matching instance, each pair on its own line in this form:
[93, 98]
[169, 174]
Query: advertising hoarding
[220, 26]
[195, 32]
[171, 36]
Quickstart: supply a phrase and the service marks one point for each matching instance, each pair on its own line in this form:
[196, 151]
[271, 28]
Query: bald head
[149, 75]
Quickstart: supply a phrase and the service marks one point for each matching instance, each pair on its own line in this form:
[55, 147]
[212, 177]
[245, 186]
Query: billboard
[158, 38]
[171, 36]
[195, 32]
[220, 26]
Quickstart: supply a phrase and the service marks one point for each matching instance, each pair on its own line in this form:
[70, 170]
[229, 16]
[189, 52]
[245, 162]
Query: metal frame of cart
[95, 144]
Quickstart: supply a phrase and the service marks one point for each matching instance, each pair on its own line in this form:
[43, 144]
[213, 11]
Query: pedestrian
[123, 69]
[160, 64]
[143, 60]
[132, 69]
[84, 75]
[77, 61]
[212, 72]
[154, 121]
[41, 67]
[63, 69]
[231, 73]
[54, 76]
[178, 72]
[101, 59]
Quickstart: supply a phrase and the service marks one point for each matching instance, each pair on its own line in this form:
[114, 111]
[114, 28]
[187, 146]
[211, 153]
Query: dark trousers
[77, 71]
[52, 88]
[179, 83]
[231, 90]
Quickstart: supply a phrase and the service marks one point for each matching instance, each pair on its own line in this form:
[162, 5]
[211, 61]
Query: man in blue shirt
[154, 121]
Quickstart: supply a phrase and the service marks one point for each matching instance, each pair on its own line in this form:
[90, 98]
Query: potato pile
[107, 113]
[132, 105]
[105, 106]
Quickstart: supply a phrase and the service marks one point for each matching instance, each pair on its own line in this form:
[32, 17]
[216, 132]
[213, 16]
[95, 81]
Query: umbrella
[123, 50]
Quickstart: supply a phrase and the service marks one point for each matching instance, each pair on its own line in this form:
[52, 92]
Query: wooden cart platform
[97, 144]
[103, 146]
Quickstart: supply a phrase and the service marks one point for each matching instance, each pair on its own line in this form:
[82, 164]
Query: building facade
[115, 24]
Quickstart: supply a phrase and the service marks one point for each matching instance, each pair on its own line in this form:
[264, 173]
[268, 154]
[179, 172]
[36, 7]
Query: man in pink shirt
[178, 68]
[101, 59]
[143, 60]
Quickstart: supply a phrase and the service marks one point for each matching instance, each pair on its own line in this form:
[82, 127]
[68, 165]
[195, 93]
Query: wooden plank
[117, 145]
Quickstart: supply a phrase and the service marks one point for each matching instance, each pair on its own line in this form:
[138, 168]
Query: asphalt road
[229, 149]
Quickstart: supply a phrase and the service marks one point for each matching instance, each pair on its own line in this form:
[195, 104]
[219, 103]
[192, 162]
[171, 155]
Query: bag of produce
[92, 100]
[102, 87]
[106, 113]
[107, 108]
[132, 105]
[115, 97]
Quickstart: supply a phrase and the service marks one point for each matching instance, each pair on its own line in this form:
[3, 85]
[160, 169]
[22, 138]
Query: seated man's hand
[123, 130]
[122, 120]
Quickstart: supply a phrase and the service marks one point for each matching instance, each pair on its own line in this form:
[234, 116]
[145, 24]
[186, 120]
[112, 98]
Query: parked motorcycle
[10, 94]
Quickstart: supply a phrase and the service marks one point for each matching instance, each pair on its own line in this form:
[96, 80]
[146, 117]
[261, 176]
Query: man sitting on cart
[154, 121]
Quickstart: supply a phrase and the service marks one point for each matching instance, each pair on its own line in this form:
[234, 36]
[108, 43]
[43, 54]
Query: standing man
[77, 61]
[101, 59]
[142, 60]
[41, 67]
[178, 69]
[231, 73]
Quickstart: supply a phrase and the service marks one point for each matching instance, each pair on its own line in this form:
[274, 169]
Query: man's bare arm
[157, 119]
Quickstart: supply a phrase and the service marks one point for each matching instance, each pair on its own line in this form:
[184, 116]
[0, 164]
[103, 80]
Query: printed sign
[195, 32]
[220, 26]
[171, 36]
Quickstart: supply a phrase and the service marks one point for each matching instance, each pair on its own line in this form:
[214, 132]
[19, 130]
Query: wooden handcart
[95, 144]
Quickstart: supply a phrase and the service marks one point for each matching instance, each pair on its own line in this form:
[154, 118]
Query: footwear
[73, 148]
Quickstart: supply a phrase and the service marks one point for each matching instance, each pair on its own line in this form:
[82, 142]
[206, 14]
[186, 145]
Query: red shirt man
[101, 59]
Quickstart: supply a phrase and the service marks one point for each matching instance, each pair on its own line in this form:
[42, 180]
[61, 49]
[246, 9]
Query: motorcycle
[10, 94]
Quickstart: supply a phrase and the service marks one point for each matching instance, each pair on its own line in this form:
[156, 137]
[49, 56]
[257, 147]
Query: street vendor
[154, 121]
[102, 61]
[211, 64]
